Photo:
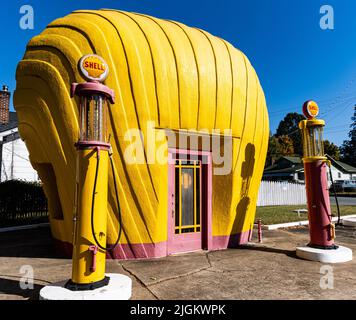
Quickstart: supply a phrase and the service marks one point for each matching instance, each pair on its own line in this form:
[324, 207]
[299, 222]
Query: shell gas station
[150, 138]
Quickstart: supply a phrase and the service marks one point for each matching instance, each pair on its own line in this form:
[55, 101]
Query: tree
[277, 147]
[332, 150]
[285, 146]
[272, 150]
[289, 126]
[348, 148]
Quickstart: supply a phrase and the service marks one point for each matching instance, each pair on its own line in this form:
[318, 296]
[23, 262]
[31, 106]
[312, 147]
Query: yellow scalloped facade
[162, 72]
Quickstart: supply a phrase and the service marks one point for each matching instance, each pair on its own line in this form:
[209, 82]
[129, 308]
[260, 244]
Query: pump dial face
[93, 68]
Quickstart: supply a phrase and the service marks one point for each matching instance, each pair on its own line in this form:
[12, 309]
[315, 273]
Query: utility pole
[4, 117]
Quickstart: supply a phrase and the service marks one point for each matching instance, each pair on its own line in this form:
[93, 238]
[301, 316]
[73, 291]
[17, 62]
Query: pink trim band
[157, 250]
[138, 251]
[80, 145]
[233, 241]
[90, 88]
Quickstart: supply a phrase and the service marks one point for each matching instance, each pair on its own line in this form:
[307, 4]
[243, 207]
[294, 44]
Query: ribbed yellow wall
[162, 71]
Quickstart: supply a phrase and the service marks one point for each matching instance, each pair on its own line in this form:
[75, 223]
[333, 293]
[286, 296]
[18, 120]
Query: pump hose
[335, 195]
[93, 204]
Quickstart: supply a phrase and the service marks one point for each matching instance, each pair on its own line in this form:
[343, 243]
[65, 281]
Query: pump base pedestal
[341, 254]
[119, 288]
[349, 222]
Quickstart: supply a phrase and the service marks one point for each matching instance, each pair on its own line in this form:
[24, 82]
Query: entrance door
[187, 208]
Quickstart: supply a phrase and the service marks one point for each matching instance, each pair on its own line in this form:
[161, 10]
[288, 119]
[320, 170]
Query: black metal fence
[22, 203]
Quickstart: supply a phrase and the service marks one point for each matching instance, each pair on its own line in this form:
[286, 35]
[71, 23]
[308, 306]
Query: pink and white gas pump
[321, 228]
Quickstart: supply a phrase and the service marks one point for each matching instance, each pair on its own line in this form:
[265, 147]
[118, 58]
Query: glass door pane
[187, 189]
[187, 197]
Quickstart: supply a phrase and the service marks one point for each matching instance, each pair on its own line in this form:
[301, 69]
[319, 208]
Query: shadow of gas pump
[12, 287]
[289, 253]
[242, 207]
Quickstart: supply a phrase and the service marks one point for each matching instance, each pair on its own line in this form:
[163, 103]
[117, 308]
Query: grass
[282, 214]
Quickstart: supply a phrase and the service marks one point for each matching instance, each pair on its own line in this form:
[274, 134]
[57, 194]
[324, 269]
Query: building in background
[285, 169]
[341, 170]
[14, 158]
[292, 169]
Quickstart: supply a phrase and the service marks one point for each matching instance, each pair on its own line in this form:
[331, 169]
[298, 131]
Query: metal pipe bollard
[259, 226]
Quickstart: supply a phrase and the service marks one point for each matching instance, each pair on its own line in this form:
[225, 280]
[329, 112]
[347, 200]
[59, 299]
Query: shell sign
[310, 109]
[94, 68]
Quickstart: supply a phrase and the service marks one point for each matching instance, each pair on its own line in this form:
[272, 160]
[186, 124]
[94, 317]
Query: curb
[30, 226]
[298, 223]
[349, 222]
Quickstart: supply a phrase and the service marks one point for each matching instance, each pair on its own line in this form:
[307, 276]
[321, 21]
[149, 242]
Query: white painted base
[349, 222]
[342, 254]
[119, 288]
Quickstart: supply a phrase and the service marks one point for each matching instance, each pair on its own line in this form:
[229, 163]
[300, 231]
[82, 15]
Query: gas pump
[89, 236]
[321, 228]
[94, 154]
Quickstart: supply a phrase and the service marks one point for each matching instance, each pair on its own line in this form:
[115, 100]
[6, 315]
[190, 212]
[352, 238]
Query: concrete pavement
[258, 271]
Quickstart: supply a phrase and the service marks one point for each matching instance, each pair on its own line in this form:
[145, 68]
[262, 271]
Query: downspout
[12, 159]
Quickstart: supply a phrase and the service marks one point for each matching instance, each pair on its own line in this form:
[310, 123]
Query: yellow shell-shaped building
[166, 77]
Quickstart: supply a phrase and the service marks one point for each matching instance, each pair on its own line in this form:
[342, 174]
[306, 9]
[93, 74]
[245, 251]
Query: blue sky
[295, 59]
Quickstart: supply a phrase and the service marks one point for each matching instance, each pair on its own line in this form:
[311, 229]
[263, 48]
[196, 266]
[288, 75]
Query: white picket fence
[273, 193]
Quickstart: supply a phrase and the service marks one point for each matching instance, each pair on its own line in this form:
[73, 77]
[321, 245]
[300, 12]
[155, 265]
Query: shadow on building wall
[242, 208]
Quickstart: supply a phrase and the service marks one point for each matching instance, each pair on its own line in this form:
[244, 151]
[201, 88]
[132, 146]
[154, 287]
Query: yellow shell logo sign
[94, 67]
[310, 109]
[313, 109]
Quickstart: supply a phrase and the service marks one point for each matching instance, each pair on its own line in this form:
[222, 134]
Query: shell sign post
[188, 131]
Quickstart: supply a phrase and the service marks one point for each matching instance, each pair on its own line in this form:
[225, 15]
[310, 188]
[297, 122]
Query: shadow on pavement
[31, 243]
[289, 253]
[12, 287]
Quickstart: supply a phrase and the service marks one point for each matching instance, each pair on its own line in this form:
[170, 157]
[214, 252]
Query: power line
[335, 131]
[341, 112]
[334, 106]
[335, 127]
[330, 102]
